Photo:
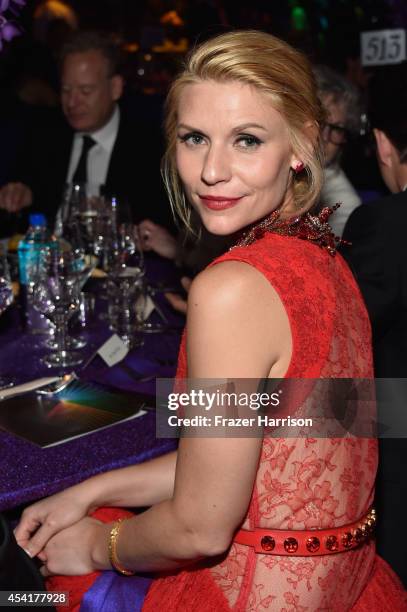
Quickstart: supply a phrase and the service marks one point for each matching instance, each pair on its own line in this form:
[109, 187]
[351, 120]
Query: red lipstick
[214, 202]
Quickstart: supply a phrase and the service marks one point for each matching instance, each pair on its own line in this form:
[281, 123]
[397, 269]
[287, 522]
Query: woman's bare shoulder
[237, 324]
[227, 282]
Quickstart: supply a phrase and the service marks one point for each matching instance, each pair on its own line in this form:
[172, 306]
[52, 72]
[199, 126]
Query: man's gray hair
[90, 40]
[343, 92]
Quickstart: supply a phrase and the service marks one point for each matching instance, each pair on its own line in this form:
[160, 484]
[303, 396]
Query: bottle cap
[37, 219]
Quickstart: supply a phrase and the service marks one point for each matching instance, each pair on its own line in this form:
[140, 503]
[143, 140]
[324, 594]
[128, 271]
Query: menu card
[80, 409]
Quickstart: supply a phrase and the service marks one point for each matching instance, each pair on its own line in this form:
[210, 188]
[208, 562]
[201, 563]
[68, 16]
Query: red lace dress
[301, 483]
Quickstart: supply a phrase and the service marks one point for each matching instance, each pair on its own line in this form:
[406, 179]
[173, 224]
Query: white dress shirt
[338, 189]
[99, 154]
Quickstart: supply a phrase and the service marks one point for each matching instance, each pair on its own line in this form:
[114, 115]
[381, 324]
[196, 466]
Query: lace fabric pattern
[304, 483]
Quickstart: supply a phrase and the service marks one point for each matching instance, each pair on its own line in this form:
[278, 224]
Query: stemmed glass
[57, 296]
[127, 252]
[93, 217]
[6, 293]
[148, 326]
[122, 248]
[115, 232]
[126, 304]
[66, 210]
[126, 291]
[83, 272]
[81, 216]
[115, 242]
[138, 252]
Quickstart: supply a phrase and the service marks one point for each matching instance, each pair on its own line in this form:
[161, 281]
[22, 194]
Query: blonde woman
[244, 151]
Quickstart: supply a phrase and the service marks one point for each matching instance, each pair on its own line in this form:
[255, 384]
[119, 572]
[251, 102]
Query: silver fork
[34, 385]
[58, 385]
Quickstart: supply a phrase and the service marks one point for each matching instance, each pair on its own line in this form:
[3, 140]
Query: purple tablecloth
[29, 472]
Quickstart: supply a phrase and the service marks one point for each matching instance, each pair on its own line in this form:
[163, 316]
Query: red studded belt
[310, 542]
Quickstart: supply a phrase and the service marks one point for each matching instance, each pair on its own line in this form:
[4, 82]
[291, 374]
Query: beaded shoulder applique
[314, 228]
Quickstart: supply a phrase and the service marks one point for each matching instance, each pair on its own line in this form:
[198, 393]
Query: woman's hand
[80, 549]
[41, 521]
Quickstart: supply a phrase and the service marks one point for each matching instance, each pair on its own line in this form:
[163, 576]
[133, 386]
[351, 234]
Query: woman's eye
[246, 141]
[192, 139]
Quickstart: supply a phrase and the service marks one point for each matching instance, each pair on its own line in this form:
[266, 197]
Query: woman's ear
[311, 133]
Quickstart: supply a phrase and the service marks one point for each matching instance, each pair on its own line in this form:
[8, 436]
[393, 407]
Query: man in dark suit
[96, 143]
[378, 257]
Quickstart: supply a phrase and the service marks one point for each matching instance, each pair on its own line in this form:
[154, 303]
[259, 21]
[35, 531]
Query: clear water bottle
[36, 240]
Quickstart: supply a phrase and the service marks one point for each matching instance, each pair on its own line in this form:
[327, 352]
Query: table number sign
[381, 47]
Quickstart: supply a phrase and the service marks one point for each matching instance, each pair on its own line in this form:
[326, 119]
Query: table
[29, 472]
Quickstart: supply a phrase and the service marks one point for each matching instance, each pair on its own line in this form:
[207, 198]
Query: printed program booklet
[82, 408]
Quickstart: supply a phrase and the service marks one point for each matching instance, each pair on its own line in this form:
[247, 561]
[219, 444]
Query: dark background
[154, 36]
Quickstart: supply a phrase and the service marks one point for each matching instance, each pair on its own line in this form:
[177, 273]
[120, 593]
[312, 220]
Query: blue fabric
[114, 593]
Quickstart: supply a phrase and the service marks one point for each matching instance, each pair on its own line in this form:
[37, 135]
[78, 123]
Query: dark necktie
[81, 173]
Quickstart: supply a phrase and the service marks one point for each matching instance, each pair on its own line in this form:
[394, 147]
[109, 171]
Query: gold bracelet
[114, 561]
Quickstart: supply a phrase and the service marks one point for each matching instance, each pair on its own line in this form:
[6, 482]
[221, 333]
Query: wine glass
[83, 270]
[121, 248]
[57, 296]
[116, 240]
[126, 304]
[65, 213]
[69, 226]
[160, 321]
[73, 196]
[138, 253]
[82, 215]
[6, 292]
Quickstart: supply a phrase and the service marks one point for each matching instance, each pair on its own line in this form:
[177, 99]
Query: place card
[113, 350]
[144, 307]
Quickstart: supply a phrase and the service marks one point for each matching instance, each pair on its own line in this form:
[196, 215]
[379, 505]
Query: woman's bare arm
[237, 327]
[134, 486]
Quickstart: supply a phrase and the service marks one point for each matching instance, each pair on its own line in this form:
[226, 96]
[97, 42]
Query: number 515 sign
[382, 47]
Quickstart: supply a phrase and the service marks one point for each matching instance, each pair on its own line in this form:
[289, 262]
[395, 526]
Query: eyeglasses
[336, 134]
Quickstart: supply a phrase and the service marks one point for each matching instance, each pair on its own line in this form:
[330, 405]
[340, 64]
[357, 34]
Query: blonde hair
[274, 68]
